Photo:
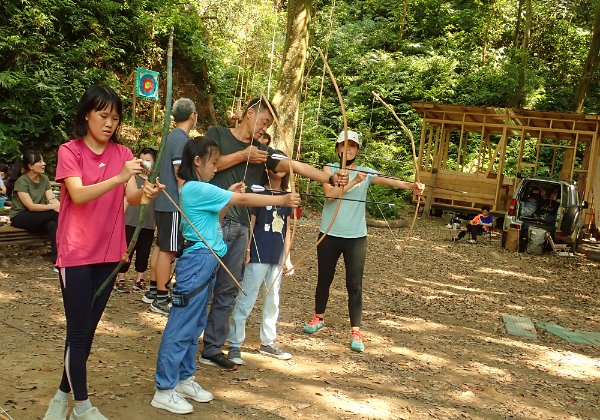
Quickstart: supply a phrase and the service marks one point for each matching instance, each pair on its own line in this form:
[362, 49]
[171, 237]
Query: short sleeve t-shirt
[36, 190]
[229, 144]
[351, 219]
[132, 214]
[171, 156]
[267, 244]
[201, 202]
[93, 232]
[483, 219]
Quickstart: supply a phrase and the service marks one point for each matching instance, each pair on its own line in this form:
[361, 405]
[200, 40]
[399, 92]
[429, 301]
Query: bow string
[414, 155]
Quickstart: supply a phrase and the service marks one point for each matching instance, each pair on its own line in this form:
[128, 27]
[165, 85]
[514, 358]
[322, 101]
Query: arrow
[278, 156]
[260, 189]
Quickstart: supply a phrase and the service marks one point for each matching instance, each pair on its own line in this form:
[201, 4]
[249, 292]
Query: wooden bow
[414, 155]
[344, 159]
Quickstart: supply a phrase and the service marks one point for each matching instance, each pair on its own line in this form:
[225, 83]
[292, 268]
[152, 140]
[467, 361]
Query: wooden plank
[421, 147]
[428, 159]
[504, 142]
[14, 236]
[519, 326]
[574, 157]
[571, 336]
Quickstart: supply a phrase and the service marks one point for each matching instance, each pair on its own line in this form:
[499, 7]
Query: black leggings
[328, 253]
[473, 230]
[142, 249]
[39, 222]
[78, 286]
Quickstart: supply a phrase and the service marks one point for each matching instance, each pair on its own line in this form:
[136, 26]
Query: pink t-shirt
[93, 232]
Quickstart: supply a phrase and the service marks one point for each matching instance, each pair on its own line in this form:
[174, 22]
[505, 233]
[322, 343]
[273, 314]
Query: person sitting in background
[34, 207]
[480, 223]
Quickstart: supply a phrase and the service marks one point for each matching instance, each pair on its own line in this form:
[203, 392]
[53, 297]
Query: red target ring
[148, 84]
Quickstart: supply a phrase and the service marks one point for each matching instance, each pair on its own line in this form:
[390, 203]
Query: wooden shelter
[463, 153]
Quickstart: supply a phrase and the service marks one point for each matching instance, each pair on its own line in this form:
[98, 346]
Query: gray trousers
[225, 291]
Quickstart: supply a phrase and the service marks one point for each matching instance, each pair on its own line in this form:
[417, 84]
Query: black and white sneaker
[149, 297]
[160, 306]
[219, 360]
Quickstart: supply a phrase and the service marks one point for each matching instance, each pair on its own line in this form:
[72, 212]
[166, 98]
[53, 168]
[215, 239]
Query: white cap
[352, 136]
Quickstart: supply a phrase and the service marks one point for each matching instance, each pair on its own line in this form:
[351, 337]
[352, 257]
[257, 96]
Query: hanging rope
[327, 42]
[272, 49]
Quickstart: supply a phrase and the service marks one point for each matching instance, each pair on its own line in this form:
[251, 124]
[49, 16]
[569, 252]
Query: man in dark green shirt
[243, 158]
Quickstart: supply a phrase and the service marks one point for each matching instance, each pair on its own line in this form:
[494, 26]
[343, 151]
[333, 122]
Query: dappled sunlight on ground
[520, 275]
[436, 345]
[413, 324]
[567, 364]
[428, 359]
[444, 286]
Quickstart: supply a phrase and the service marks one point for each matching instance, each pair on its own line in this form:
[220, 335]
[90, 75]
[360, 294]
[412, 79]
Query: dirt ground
[436, 346]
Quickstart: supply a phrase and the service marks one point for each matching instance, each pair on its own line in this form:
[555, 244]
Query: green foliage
[457, 52]
[50, 60]
[55, 49]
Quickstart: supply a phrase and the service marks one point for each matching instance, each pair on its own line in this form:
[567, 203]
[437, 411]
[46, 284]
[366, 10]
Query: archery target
[147, 84]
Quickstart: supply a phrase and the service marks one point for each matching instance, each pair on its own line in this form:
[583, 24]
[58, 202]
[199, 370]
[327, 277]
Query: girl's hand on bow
[152, 190]
[238, 187]
[418, 188]
[340, 178]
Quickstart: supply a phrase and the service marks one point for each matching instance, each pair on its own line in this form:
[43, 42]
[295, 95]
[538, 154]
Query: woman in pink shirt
[95, 172]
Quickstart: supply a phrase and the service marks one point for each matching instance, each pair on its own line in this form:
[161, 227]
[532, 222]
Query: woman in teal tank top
[347, 237]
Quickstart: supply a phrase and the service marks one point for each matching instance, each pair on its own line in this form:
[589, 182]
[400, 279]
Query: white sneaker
[57, 410]
[190, 388]
[472, 241]
[449, 226]
[91, 414]
[170, 400]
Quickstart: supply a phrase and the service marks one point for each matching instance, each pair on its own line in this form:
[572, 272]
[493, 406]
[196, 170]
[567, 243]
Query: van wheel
[569, 220]
[577, 241]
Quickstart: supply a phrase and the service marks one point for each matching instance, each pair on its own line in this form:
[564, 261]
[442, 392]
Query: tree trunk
[486, 32]
[287, 92]
[403, 21]
[591, 63]
[518, 23]
[525, 52]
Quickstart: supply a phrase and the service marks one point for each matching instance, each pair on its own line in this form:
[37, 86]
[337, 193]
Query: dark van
[553, 206]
